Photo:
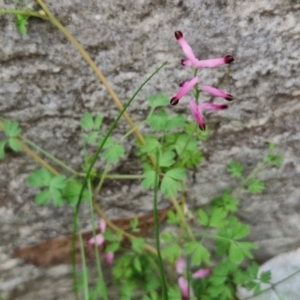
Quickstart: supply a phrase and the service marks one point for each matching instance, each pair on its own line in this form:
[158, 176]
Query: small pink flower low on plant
[99, 240]
[185, 288]
[198, 109]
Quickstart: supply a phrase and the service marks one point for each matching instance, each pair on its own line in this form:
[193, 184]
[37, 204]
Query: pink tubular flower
[186, 48]
[196, 63]
[216, 93]
[207, 63]
[109, 258]
[180, 266]
[197, 111]
[201, 273]
[185, 88]
[185, 288]
[98, 240]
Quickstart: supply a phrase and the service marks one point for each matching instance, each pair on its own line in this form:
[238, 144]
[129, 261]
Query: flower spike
[186, 87]
[216, 93]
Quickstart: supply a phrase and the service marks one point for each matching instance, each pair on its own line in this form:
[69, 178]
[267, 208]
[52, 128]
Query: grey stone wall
[46, 86]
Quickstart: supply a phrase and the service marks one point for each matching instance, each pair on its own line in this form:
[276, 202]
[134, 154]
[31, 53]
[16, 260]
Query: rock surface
[46, 87]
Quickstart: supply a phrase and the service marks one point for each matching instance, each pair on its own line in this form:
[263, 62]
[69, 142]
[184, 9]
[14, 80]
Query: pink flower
[99, 239]
[180, 266]
[216, 93]
[109, 258]
[185, 288]
[196, 63]
[208, 63]
[185, 88]
[197, 111]
[201, 273]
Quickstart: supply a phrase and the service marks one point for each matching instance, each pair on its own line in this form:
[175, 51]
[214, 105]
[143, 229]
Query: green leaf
[198, 252]
[11, 129]
[134, 225]
[167, 237]
[98, 122]
[226, 202]
[235, 169]
[112, 247]
[71, 192]
[159, 100]
[174, 293]
[43, 198]
[217, 218]
[114, 152]
[40, 178]
[274, 160]
[256, 187]
[92, 136]
[265, 277]
[272, 147]
[167, 159]
[157, 121]
[149, 179]
[203, 218]
[185, 143]
[151, 144]
[87, 122]
[138, 245]
[174, 122]
[2, 146]
[170, 184]
[171, 253]
[137, 264]
[235, 253]
[14, 145]
[56, 196]
[58, 182]
[246, 246]
[21, 23]
[173, 218]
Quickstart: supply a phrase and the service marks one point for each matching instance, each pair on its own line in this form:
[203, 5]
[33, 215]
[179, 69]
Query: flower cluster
[185, 288]
[187, 86]
[99, 240]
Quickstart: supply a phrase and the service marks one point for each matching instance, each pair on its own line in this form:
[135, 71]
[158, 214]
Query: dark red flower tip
[174, 101]
[229, 97]
[224, 106]
[202, 127]
[228, 59]
[182, 62]
[182, 83]
[178, 35]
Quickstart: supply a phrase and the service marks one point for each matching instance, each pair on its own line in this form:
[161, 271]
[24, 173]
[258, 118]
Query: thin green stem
[156, 229]
[102, 179]
[98, 262]
[50, 156]
[23, 13]
[117, 176]
[84, 271]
